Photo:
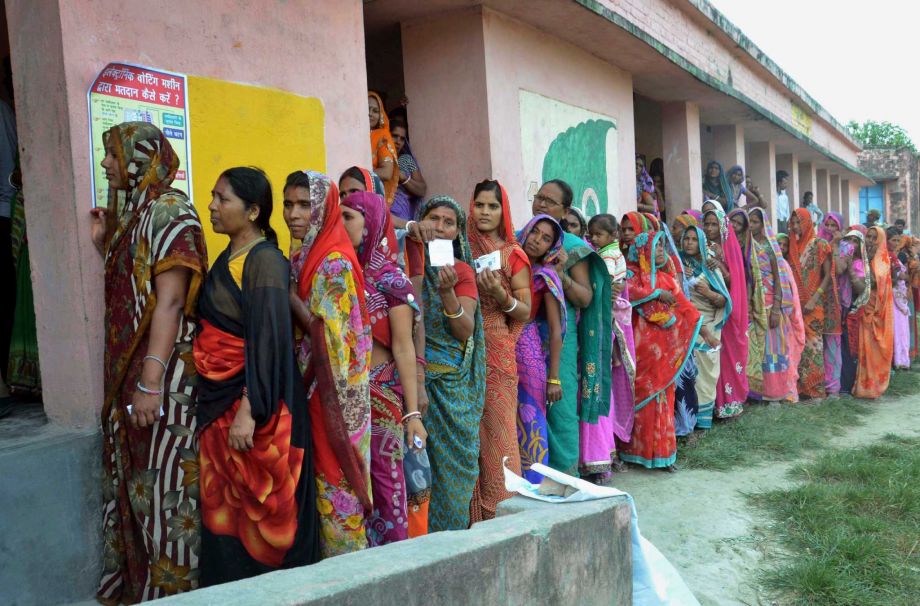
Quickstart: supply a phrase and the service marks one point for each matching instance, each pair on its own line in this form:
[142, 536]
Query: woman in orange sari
[383, 150]
[876, 327]
[505, 294]
[812, 264]
[258, 499]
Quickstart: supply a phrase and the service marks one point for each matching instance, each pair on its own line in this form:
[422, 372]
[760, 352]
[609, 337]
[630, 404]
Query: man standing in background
[782, 201]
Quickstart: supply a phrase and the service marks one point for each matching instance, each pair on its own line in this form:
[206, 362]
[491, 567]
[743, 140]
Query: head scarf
[644, 182]
[383, 279]
[148, 166]
[745, 243]
[325, 235]
[718, 186]
[373, 183]
[692, 212]
[482, 244]
[723, 223]
[581, 217]
[798, 244]
[825, 233]
[695, 267]
[738, 189]
[545, 268]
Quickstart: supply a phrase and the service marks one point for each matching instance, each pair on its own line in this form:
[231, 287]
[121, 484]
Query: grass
[850, 529]
[785, 432]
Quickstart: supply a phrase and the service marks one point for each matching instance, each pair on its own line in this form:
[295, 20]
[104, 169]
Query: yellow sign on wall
[801, 121]
[240, 125]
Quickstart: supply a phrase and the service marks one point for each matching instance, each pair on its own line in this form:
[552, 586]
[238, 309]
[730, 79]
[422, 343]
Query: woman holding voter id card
[503, 278]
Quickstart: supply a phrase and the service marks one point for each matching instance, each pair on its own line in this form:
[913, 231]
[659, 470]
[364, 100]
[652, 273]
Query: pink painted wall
[521, 57]
[445, 76]
[308, 47]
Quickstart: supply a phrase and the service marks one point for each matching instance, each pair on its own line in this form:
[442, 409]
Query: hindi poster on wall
[132, 93]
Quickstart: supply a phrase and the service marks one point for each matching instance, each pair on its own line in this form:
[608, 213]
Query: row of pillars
[683, 176]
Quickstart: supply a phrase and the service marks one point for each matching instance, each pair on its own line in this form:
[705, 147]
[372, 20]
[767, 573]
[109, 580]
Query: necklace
[245, 249]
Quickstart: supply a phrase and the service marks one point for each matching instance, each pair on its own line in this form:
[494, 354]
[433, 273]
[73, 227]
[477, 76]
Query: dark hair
[656, 168]
[567, 195]
[298, 178]
[808, 194]
[489, 185]
[892, 232]
[900, 222]
[780, 175]
[399, 122]
[423, 212]
[252, 187]
[606, 222]
[355, 173]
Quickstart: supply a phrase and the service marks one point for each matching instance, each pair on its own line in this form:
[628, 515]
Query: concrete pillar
[834, 203]
[439, 114]
[680, 143]
[728, 144]
[823, 189]
[761, 167]
[854, 203]
[790, 164]
[845, 201]
[808, 181]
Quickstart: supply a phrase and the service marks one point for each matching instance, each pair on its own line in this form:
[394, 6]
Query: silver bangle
[408, 223]
[157, 360]
[514, 305]
[148, 391]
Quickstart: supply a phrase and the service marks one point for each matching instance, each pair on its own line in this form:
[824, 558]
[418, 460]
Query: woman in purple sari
[540, 344]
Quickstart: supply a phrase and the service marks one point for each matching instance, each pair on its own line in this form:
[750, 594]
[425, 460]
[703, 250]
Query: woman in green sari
[585, 378]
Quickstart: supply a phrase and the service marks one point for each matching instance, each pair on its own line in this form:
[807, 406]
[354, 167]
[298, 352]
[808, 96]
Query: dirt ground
[701, 521]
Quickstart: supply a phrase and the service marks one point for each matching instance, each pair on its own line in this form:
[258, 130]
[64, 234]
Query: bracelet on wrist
[453, 316]
[554, 382]
[148, 391]
[514, 304]
[410, 415]
[157, 360]
[409, 223]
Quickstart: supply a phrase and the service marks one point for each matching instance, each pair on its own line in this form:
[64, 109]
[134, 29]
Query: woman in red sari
[258, 499]
[505, 299]
[812, 264]
[665, 325]
[151, 239]
[876, 326]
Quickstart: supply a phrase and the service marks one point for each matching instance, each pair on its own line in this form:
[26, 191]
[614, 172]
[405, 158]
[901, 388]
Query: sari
[334, 356]
[775, 379]
[405, 205]
[151, 539]
[623, 349]
[585, 379]
[737, 190]
[383, 149]
[732, 390]
[686, 400]
[901, 299]
[498, 426]
[455, 379]
[23, 368]
[876, 327]
[385, 286]
[532, 354]
[851, 311]
[807, 254]
[718, 188]
[758, 313]
[833, 358]
[664, 337]
[244, 350]
[645, 189]
[913, 268]
[708, 362]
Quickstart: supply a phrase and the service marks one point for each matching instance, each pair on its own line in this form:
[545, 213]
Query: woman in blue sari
[539, 347]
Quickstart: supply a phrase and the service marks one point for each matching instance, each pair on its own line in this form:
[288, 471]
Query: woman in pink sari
[732, 389]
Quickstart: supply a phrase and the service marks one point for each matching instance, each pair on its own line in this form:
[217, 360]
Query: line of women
[265, 413]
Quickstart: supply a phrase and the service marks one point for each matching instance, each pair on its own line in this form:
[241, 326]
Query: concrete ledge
[50, 517]
[533, 553]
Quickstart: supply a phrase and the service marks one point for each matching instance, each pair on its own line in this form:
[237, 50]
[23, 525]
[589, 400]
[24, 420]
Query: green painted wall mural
[562, 141]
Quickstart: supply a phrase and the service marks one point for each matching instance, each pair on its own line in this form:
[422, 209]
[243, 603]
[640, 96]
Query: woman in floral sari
[151, 239]
[876, 326]
[540, 344]
[455, 366]
[813, 267]
[832, 231]
[665, 326]
[505, 296]
[393, 312]
[711, 298]
[732, 390]
[783, 332]
[254, 430]
[334, 355]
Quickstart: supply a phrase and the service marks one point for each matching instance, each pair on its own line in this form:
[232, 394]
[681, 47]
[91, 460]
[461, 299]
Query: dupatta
[697, 269]
[807, 253]
[876, 327]
[545, 270]
[381, 137]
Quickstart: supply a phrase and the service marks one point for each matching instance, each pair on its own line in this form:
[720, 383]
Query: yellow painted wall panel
[241, 125]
